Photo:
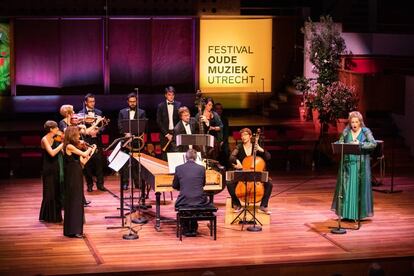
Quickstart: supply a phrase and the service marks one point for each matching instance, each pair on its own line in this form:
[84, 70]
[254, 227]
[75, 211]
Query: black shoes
[125, 187]
[86, 203]
[78, 236]
[102, 188]
[90, 189]
[190, 234]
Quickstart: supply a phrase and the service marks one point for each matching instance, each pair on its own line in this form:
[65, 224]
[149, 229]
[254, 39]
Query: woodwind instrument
[166, 145]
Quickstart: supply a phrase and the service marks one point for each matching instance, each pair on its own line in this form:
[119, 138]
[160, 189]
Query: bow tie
[91, 111]
[170, 102]
[186, 124]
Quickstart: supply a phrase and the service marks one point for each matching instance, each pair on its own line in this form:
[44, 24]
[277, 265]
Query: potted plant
[338, 101]
[325, 48]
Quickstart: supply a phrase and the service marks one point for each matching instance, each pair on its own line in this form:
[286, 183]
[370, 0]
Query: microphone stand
[141, 219]
[339, 229]
[263, 93]
[132, 235]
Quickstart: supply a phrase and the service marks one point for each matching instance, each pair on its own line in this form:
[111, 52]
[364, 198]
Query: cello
[252, 163]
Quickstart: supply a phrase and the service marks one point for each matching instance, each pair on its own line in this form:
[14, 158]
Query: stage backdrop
[235, 55]
[4, 59]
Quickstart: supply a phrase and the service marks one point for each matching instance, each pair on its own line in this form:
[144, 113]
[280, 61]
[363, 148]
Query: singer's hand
[168, 136]
[127, 135]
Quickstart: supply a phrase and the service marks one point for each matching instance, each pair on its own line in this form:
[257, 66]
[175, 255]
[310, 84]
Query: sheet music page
[178, 158]
[114, 152]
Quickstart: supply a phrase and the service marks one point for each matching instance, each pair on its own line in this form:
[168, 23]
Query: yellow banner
[235, 55]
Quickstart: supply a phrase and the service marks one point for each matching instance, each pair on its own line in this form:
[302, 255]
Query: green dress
[356, 178]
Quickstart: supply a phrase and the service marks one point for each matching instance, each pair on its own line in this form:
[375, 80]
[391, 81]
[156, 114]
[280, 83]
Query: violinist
[210, 123]
[242, 151]
[67, 112]
[52, 174]
[95, 166]
[75, 159]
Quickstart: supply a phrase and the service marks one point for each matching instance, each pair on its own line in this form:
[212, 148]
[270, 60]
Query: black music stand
[346, 148]
[391, 190]
[117, 160]
[202, 140]
[195, 140]
[246, 176]
[135, 127]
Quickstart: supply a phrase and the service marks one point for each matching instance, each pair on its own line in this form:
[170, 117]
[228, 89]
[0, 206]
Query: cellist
[242, 151]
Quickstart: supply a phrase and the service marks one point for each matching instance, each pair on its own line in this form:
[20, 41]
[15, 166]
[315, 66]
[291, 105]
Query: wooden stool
[185, 214]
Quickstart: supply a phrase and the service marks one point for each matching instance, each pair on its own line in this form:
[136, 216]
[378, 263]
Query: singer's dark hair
[89, 95]
[130, 95]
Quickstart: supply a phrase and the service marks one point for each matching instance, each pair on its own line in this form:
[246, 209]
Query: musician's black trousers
[231, 187]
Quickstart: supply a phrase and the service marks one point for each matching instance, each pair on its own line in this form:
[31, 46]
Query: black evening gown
[51, 208]
[74, 213]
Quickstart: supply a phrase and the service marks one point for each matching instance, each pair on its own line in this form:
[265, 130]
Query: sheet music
[120, 159]
[114, 152]
[178, 158]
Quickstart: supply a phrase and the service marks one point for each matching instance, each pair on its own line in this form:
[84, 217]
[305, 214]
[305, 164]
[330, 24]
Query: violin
[59, 136]
[252, 163]
[82, 145]
[88, 119]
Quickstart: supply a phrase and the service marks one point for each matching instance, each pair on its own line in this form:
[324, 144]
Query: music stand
[391, 190]
[195, 140]
[201, 140]
[346, 148]
[117, 160]
[246, 176]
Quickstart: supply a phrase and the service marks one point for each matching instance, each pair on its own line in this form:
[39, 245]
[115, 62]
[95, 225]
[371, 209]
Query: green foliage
[325, 48]
[4, 57]
[330, 97]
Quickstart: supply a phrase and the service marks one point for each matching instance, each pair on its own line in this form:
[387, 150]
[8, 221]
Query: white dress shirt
[131, 114]
[188, 131]
[170, 108]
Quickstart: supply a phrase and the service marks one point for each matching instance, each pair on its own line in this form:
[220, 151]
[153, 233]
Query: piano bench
[185, 214]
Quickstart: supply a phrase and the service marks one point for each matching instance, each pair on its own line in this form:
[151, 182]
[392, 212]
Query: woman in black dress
[211, 124]
[52, 174]
[75, 159]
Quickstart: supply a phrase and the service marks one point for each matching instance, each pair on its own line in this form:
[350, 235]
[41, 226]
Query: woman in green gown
[356, 174]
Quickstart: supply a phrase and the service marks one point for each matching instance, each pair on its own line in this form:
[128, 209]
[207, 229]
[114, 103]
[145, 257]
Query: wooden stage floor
[297, 242]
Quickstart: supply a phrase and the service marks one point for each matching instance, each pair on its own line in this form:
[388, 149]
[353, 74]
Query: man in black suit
[167, 118]
[129, 113]
[95, 165]
[186, 125]
[190, 179]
